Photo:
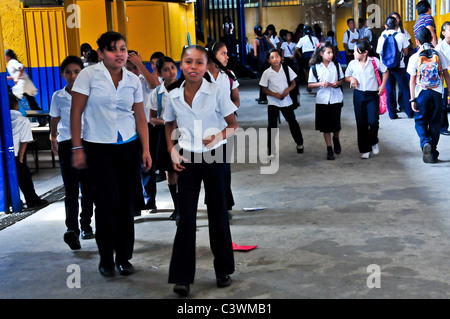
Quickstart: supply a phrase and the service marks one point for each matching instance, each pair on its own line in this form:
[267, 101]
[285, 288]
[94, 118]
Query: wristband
[77, 148]
[413, 100]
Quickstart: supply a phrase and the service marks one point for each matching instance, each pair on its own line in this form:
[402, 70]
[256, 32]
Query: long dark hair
[444, 26]
[363, 45]
[181, 79]
[11, 54]
[317, 58]
[213, 47]
[400, 24]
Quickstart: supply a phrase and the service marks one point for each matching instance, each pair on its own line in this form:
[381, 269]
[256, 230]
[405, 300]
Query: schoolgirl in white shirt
[288, 51]
[115, 138]
[274, 83]
[305, 49]
[329, 98]
[167, 70]
[204, 114]
[361, 75]
[219, 74]
[61, 141]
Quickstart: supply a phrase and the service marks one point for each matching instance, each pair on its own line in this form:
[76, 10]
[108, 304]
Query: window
[433, 7]
[445, 6]
[410, 10]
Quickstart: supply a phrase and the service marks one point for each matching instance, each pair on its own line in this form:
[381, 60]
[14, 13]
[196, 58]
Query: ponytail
[213, 47]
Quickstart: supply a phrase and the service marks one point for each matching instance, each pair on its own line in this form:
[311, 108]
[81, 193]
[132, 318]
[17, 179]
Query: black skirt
[328, 117]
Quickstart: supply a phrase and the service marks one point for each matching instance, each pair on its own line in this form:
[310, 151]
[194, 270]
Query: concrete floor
[325, 225]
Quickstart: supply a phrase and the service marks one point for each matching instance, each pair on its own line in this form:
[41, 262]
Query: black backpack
[294, 92]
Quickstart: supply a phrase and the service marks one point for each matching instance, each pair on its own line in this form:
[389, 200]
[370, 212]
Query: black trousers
[114, 174]
[26, 183]
[288, 113]
[213, 175]
[74, 182]
[367, 109]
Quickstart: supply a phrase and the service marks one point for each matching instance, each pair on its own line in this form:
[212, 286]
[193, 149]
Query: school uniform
[289, 50]
[348, 37]
[113, 157]
[329, 100]
[21, 131]
[74, 180]
[444, 48]
[308, 45]
[277, 82]
[210, 106]
[366, 101]
[397, 76]
[227, 84]
[429, 103]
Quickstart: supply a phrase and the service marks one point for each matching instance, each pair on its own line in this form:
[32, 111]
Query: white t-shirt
[307, 44]
[366, 76]
[288, 49]
[60, 107]
[329, 74]
[349, 36]
[277, 82]
[223, 81]
[444, 48]
[153, 99]
[275, 40]
[21, 130]
[206, 117]
[402, 43]
[412, 70]
[108, 110]
[24, 83]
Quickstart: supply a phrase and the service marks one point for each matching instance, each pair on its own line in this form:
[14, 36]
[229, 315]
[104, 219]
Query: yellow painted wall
[13, 33]
[92, 21]
[342, 14]
[2, 61]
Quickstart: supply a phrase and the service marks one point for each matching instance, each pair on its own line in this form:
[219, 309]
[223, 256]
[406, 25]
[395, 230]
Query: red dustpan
[243, 248]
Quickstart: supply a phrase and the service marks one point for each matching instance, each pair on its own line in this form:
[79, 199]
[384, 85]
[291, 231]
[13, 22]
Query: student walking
[225, 78]
[275, 85]
[327, 75]
[198, 107]
[22, 135]
[444, 47]
[351, 36]
[362, 77]
[115, 144]
[392, 48]
[426, 67]
[167, 70]
[261, 45]
[74, 180]
[305, 49]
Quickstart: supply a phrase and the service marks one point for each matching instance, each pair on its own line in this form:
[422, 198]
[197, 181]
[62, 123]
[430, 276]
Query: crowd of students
[116, 127]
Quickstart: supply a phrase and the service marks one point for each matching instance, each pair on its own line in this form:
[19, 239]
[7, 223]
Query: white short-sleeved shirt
[153, 99]
[288, 48]
[329, 74]
[60, 107]
[402, 43]
[277, 82]
[21, 130]
[307, 44]
[146, 91]
[366, 77]
[412, 70]
[108, 111]
[444, 48]
[210, 106]
[349, 36]
[223, 81]
[275, 40]
[24, 83]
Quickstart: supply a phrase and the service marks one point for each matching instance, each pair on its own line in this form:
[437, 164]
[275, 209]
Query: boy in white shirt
[22, 135]
[351, 36]
[426, 100]
[274, 83]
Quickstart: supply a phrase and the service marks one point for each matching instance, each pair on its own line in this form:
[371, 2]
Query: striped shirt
[424, 21]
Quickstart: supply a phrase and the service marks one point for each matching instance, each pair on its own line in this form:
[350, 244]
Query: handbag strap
[377, 73]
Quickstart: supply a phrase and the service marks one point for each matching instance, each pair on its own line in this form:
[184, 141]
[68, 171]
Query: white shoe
[365, 155]
[375, 149]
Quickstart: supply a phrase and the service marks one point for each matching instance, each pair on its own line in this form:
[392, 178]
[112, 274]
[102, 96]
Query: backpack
[294, 92]
[336, 64]
[429, 73]
[390, 55]
[373, 43]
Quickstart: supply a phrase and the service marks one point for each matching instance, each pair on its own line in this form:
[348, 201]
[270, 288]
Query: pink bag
[383, 97]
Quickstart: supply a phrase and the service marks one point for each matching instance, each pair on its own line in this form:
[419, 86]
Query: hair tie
[319, 45]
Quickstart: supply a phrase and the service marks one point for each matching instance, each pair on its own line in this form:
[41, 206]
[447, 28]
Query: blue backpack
[391, 56]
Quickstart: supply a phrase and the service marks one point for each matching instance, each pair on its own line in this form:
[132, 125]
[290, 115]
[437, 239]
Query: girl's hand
[334, 85]
[54, 147]
[278, 96]
[325, 84]
[146, 161]
[353, 83]
[381, 90]
[79, 159]
[414, 107]
[211, 141]
[177, 159]
[285, 93]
